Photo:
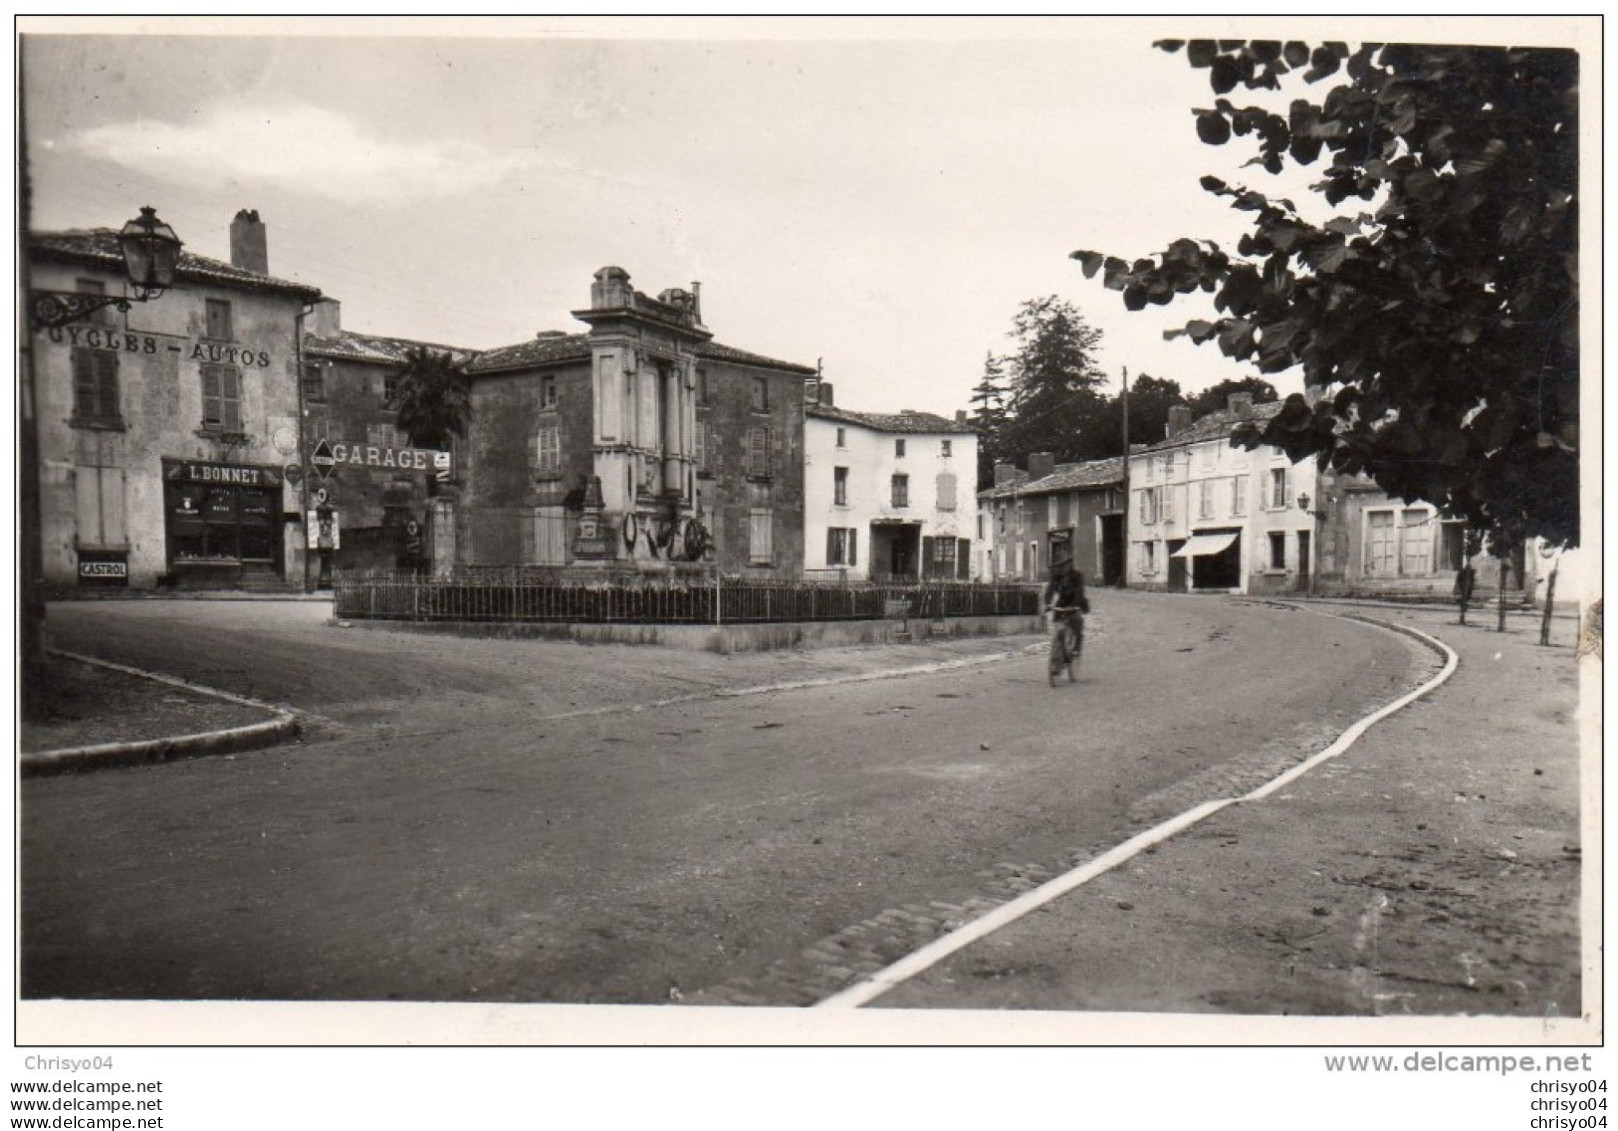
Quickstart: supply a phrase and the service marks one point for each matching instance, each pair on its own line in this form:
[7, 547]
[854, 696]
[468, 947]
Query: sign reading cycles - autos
[98, 338]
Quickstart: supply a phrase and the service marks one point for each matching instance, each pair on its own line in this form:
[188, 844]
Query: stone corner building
[165, 433]
[640, 445]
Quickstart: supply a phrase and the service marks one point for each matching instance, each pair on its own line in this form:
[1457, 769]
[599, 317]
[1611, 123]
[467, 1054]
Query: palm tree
[433, 397]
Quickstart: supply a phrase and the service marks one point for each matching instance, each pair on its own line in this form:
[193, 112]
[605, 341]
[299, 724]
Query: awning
[1203, 544]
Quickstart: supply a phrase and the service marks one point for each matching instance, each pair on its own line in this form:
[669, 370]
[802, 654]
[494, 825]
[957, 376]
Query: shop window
[219, 325]
[839, 485]
[221, 398]
[95, 388]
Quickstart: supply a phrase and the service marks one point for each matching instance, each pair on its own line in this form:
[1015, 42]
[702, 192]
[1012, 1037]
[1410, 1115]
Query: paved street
[497, 820]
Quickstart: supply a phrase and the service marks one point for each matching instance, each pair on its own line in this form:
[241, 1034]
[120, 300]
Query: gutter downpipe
[303, 445]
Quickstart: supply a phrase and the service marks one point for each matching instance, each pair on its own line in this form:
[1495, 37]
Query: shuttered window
[901, 490]
[219, 321]
[222, 398]
[95, 387]
[548, 450]
[946, 492]
[760, 524]
[701, 443]
[758, 452]
[842, 546]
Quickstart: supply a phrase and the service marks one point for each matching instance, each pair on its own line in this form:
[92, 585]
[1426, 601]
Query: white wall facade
[941, 499]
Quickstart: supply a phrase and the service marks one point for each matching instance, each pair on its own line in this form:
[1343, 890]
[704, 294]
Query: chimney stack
[960, 416]
[326, 321]
[1004, 473]
[1179, 419]
[249, 249]
[1040, 464]
[1240, 405]
[826, 395]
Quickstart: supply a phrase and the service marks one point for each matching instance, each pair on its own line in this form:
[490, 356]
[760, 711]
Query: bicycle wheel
[1058, 657]
[1074, 652]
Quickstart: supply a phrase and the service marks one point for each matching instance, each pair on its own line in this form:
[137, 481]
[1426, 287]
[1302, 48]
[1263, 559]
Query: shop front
[222, 523]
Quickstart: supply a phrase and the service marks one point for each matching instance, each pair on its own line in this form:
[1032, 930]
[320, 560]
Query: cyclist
[1065, 590]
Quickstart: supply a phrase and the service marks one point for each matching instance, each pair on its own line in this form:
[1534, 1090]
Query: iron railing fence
[534, 594]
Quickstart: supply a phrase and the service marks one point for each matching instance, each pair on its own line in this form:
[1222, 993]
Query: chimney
[1041, 464]
[960, 416]
[1179, 419]
[1004, 473]
[327, 319]
[1240, 405]
[249, 250]
[825, 394]
[696, 302]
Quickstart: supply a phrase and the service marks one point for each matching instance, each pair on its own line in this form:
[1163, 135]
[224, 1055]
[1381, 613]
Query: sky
[874, 196]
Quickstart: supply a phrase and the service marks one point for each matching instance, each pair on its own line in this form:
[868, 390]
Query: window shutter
[230, 384]
[928, 551]
[946, 492]
[701, 444]
[112, 506]
[853, 545]
[831, 545]
[963, 559]
[210, 395]
[84, 384]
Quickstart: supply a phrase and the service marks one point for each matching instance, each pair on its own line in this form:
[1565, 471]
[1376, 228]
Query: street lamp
[1314, 550]
[151, 254]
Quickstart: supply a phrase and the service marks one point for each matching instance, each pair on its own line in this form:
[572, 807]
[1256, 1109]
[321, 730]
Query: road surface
[487, 820]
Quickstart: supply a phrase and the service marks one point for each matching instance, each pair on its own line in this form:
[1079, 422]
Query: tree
[1216, 397]
[1150, 399]
[988, 416]
[433, 397]
[1055, 382]
[1439, 316]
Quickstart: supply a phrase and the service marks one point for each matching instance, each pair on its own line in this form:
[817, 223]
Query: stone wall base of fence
[729, 638]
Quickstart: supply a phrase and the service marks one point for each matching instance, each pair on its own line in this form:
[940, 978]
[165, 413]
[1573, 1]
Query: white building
[1209, 516]
[887, 495]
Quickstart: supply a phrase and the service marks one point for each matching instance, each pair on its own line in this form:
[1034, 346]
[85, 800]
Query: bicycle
[1067, 642]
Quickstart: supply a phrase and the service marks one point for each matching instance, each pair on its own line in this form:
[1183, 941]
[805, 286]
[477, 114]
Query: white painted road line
[875, 985]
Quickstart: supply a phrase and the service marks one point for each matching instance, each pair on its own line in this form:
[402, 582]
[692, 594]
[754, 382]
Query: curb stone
[282, 727]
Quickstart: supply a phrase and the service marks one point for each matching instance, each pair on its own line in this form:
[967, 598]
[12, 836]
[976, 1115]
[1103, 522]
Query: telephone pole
[1123, 526]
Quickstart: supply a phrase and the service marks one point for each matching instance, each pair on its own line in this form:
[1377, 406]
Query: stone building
[1054, 512]
[640, 444]
[887, 495]
[165, 432]
[384, 492]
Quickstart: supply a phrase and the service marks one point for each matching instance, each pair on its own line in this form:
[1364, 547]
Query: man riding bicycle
[1064, 593]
